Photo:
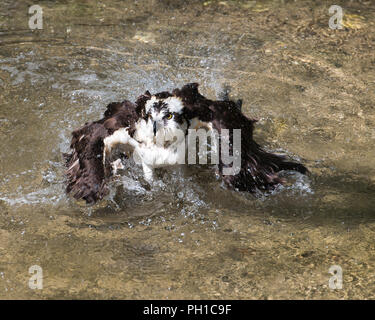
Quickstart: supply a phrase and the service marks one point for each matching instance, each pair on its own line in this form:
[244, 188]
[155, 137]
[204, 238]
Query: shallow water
[312, 89]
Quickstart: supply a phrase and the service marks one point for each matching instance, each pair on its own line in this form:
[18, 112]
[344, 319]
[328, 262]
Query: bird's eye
[169, 116]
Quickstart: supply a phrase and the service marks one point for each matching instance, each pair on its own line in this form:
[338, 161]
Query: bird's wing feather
[259, 169]
[86, 172]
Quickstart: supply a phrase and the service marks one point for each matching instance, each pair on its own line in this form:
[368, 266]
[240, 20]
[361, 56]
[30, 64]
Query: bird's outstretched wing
[86, 172]
[258, 168]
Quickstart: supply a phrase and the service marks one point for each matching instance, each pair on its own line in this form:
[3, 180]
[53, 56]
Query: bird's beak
[155, 128]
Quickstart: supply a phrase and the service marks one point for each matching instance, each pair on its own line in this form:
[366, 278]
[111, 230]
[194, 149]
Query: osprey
[154, 128]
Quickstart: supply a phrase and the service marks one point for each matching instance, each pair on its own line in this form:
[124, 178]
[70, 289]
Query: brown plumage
[258, 168]
[87, 176]
[86, 173]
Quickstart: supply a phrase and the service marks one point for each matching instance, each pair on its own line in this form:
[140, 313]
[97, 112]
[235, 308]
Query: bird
[154, 130]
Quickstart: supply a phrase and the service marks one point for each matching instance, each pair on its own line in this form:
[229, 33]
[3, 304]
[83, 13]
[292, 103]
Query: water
[312, 90]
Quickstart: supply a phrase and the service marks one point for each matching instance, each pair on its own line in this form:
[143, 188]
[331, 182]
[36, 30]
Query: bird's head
[164, 118]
